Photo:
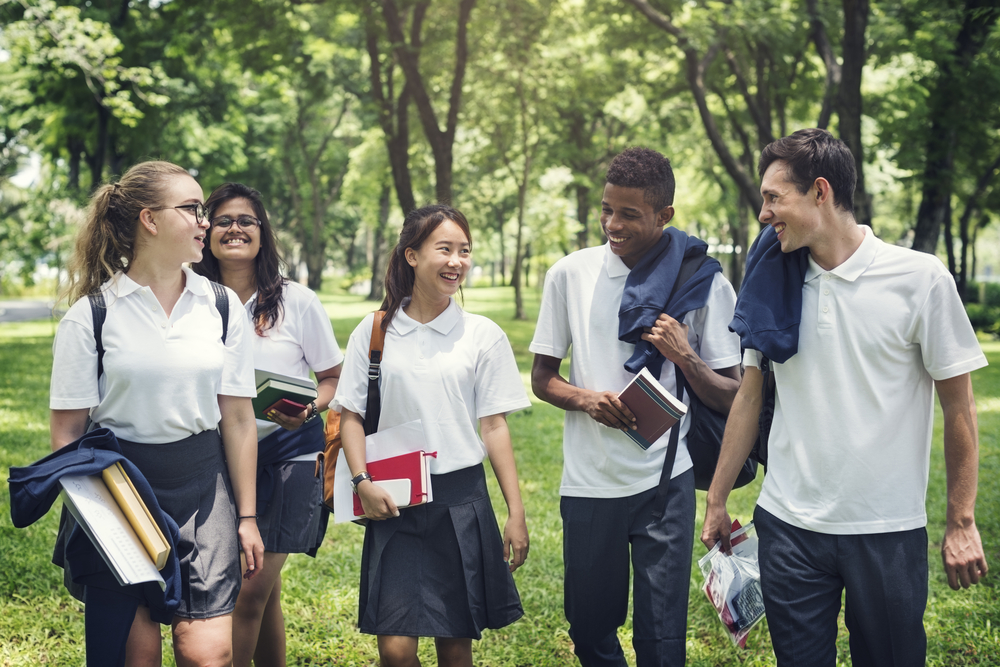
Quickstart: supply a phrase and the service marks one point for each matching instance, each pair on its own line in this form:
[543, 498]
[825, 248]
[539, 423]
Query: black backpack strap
[766, 409]
[99, 311]
[222, 305]
[689, 266]
[660, 500]
[373, 407]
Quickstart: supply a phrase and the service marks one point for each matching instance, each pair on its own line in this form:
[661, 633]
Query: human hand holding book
[656, 410]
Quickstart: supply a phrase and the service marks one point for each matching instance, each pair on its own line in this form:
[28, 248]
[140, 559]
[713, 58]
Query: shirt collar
[851, 269]
[613, 264]
[120, 285]
[443, 323]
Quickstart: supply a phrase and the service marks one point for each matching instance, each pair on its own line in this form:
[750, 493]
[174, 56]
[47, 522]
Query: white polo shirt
[447, 373]
[583, 292]
[162, 375]
[849, 448]
[301, 340]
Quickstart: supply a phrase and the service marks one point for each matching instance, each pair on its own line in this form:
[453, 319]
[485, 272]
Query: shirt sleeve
[552, 331]
[237, 368]
[319, 343]
[74, 383]
[947, 340]
[352, 390]
[499, 389]
[717, 346]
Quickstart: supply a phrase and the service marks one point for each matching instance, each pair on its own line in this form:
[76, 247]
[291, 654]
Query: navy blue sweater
[769, 307]
[34, 488]
[650, 284]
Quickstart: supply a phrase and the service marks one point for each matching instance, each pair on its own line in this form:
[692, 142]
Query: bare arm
[715, 388]
[239, 440]
[962, 547]
[375, 500]
[496, 437]
[737, 443]
[65, 426]
[602, 406]
[326, 389]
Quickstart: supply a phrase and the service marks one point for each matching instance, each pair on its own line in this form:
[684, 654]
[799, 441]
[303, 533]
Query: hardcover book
[272, 387]
[90, 502]
[656, 410]
[411, 467]
[137, 513]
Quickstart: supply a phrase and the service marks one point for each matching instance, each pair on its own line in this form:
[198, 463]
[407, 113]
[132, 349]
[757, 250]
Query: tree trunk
[377, 291]
[408, 55]
[849, 99]
[582, 215]
[947, 110]
[515, 275]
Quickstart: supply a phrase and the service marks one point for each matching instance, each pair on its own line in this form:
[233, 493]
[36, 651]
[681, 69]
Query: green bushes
[982, 304]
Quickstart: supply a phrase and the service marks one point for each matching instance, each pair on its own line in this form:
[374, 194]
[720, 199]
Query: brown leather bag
[328, 459]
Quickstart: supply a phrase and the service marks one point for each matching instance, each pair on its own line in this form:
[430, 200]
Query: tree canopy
[346, 114]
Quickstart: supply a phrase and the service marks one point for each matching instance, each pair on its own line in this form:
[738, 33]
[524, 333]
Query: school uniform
[289, 492]
[437, 570]
[159, 395]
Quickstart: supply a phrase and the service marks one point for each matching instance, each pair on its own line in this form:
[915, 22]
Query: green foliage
[40, 623]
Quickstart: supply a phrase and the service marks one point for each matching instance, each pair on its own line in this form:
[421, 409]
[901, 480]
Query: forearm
[961, 449]
[496, 437]
[548, 385]
[327, 387]
[65, 426]
[739, 438]
[239, 440]
[352, 435]
[716, 388]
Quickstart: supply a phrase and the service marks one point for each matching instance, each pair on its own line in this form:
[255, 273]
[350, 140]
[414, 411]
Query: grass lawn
[41, 624]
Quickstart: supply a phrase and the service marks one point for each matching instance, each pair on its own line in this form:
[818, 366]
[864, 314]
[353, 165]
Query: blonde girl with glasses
[174, 394]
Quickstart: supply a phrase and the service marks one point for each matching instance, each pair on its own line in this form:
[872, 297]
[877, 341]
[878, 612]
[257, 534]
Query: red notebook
[412, 466]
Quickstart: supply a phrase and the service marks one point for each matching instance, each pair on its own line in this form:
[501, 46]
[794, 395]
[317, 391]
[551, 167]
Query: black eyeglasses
[197, 209]
[246, 222]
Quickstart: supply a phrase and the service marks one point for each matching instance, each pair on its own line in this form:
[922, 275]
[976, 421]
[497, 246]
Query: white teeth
[616, 239]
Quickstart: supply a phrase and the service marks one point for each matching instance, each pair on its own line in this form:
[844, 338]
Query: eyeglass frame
[236, 221]
[202, 217]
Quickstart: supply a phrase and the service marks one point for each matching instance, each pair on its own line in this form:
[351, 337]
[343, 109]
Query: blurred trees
[347, 114]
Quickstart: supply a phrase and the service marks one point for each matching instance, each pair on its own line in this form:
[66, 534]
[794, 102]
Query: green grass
[41, 624]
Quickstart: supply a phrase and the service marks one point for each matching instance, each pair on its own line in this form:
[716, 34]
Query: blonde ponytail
[106, 243]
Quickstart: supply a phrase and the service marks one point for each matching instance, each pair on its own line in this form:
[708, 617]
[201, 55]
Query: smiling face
[631, 224]
[234, 244]
[441, 262]
[178, 233]
[794, 215]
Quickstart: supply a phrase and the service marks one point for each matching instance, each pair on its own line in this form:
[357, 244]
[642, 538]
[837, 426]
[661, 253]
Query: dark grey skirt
[437, 570]
[292, 522]
[191, 483]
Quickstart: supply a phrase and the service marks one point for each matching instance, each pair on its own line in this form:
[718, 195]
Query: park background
[347, 113]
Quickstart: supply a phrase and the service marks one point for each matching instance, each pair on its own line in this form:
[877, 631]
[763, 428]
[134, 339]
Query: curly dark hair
[417, 227]
[810, 154]
[645, 169]
[267, 274]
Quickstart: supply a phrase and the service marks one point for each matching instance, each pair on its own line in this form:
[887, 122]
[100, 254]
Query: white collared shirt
[850, 442]
[583, 292]
[301, 340]
[448, 373]
[162, 375]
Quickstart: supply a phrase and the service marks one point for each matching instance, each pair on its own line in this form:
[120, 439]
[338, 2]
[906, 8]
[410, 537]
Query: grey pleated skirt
[191, 483]
[437, 570]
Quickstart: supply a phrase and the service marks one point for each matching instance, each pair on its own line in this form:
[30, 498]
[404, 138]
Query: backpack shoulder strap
[99, 311]
[373, 409]
[689, 266]
[222, 305]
